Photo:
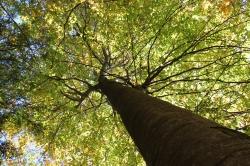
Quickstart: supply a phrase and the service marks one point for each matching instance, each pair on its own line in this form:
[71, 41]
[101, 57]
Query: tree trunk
[167, 135]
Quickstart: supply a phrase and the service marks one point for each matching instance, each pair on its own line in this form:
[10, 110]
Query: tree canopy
[194, 54]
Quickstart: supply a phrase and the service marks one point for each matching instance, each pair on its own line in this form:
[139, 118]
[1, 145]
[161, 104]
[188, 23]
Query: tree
[166, 134]
[194, 55]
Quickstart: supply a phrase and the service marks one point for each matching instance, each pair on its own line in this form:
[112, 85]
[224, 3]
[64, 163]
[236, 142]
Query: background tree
[192, 54]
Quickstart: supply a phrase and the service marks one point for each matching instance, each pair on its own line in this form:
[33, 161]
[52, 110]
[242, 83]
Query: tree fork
[169, 135]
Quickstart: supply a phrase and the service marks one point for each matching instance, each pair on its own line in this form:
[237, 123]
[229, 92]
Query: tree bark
[169, 135]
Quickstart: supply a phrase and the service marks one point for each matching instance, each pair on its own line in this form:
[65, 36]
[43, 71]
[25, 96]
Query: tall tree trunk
[169, 135]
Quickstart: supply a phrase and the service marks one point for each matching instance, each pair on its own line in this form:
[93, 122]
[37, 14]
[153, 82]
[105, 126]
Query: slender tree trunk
[167, 135]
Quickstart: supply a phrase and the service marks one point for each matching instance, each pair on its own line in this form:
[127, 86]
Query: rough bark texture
[167, 135]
